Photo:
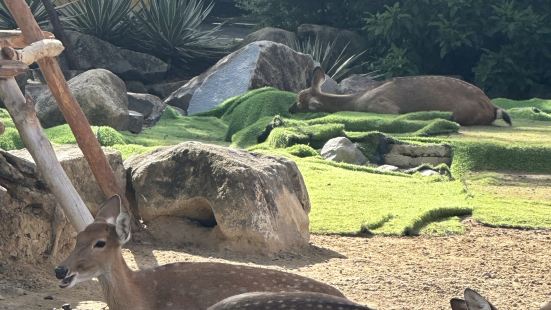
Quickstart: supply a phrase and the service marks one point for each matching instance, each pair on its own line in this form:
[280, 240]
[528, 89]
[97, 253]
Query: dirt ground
[511, 267]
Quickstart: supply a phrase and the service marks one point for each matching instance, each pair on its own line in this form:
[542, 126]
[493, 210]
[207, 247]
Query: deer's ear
[123, 227]
[475, 301]
[458, 304]
[109, 210]
[318, 77]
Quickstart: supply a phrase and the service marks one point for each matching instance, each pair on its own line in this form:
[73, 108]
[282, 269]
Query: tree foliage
[503, 46]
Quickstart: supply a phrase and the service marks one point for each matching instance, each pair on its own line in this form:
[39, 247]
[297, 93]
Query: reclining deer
[468, 104]
[97, 254]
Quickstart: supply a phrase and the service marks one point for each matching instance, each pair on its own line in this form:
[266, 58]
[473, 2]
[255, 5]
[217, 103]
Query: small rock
[49, 297]
[135, 122]
[66, 307]
[388, 168]
[428, 173]
[343, 150]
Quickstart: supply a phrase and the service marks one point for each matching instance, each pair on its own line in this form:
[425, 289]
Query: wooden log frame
[22, 111]
[69, 107]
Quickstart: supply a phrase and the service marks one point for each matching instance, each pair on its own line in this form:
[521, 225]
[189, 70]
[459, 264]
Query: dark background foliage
[503, 46]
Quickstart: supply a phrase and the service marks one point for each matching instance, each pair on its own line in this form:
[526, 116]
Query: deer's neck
[119, 288]
[336, 103]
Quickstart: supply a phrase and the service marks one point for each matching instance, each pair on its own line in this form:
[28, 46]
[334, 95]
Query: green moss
[542, 104]
[529, 113]
[10, 140]
[301, 150]
[108, 136]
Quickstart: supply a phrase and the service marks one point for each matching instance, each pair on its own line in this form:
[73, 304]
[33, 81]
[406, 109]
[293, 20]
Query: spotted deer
[286, 300]
[468, 104]
[97, 254]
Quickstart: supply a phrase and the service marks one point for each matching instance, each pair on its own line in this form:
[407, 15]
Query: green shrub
[10, 140]
[541, 104]
[290, 14]
[108, 136]
[301, 150]
[500, 45]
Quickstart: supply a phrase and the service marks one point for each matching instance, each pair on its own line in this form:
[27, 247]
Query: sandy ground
[511, 267]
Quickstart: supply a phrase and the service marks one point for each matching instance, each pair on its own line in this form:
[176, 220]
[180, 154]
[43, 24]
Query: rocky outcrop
[271, 34]
[343, 150]
[101, 95]
[94, 53]
[28, 207]
[411, 156]
[135, 122]
[256, 65]
[211, 195]
[150, 106]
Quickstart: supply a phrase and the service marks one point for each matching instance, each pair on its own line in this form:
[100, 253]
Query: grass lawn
[358, 200]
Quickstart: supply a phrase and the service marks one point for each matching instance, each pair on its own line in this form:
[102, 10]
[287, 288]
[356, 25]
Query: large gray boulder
[28, 207]
[101, 95]
[258, 64]
[343, 150]
[150, 106]
[95, 53]
[216, 196]
[271, 34]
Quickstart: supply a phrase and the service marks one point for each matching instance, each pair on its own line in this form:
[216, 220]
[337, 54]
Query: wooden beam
[68, 105]
[22, 111]
[15, 39]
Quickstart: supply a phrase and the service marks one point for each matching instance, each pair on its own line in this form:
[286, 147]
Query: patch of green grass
[173, 128]
[529, 113]
[542, 104]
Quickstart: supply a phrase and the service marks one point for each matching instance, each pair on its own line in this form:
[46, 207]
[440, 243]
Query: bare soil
[511, 267]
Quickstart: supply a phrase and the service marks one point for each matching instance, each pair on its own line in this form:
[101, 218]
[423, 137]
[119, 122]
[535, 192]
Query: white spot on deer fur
[169, 304]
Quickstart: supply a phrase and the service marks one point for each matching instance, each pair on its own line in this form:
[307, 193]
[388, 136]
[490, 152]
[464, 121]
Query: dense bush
[289, 14]
[503, 45]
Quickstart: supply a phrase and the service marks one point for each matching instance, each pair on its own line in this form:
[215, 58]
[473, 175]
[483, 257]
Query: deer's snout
[61, 272]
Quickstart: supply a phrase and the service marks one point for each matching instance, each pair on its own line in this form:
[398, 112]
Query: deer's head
[472, 301]
[307, 100]
[97, 247]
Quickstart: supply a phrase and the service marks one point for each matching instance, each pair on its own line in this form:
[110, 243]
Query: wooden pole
[68, 105]
[22, 111]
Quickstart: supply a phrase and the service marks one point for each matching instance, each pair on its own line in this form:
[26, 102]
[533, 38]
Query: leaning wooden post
[22, 111]
[68, 105]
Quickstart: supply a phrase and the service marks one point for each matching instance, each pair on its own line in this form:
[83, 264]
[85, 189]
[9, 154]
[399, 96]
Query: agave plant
[170, 29]
[336, 63]
[108, 20]
[37, 8]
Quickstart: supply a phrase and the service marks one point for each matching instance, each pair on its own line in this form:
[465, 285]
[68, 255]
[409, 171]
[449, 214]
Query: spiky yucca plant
[37, 8]
[336, 63]
[108, 20]
[170, 29]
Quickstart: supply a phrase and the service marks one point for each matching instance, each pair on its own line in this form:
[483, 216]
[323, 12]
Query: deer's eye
[99, 244]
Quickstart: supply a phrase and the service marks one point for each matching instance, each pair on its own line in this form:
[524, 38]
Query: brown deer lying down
[286, 300]
[173, 286]
[469, 104]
